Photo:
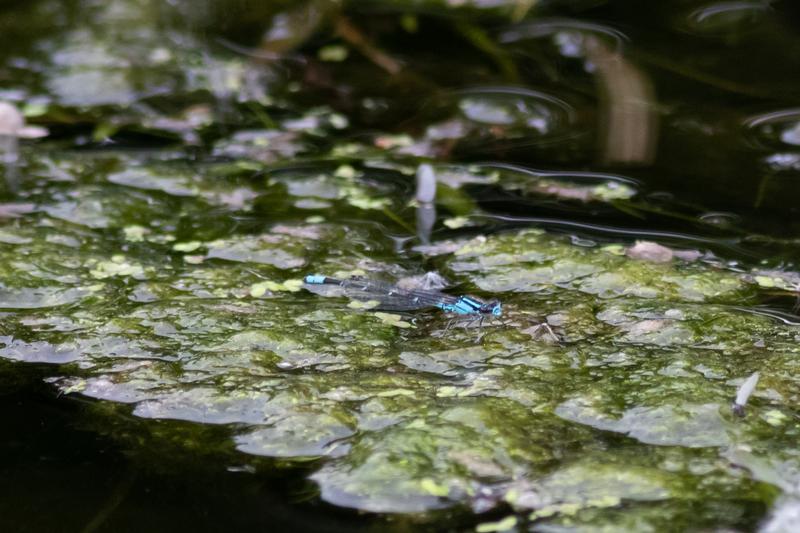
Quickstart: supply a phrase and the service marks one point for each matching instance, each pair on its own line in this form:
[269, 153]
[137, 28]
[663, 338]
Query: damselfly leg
[465, 323]
[468, 323]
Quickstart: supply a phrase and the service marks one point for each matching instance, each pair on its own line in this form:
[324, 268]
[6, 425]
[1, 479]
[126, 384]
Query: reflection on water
[629, 124]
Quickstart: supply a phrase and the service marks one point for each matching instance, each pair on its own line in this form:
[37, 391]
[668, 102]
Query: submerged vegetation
[200, 158]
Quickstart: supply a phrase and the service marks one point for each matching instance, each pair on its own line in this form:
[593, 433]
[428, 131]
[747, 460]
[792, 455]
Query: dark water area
[622, 175]
[61, 475]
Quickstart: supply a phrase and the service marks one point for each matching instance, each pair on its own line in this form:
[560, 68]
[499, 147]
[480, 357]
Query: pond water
[622, 176]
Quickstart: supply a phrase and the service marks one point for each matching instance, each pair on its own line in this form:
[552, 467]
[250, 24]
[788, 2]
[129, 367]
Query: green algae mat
[626, 416]
[152, 251]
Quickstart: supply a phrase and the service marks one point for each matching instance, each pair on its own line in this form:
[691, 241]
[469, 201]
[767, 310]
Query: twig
[358, 40]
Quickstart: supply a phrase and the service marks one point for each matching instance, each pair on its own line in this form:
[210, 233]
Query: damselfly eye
[491, 308]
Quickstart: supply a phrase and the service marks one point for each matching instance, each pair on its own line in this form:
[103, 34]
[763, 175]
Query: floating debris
[744, 392]
[12, 123]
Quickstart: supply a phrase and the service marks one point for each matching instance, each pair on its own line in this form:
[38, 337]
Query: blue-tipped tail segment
[315, 279]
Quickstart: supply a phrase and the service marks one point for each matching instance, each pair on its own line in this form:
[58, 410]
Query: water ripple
[567, 34]
[727, 17]
[776, 128]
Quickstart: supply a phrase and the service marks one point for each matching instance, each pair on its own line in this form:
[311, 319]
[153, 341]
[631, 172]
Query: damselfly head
[492, 308]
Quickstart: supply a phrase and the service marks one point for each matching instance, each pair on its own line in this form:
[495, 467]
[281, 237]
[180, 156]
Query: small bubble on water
[720, 219]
